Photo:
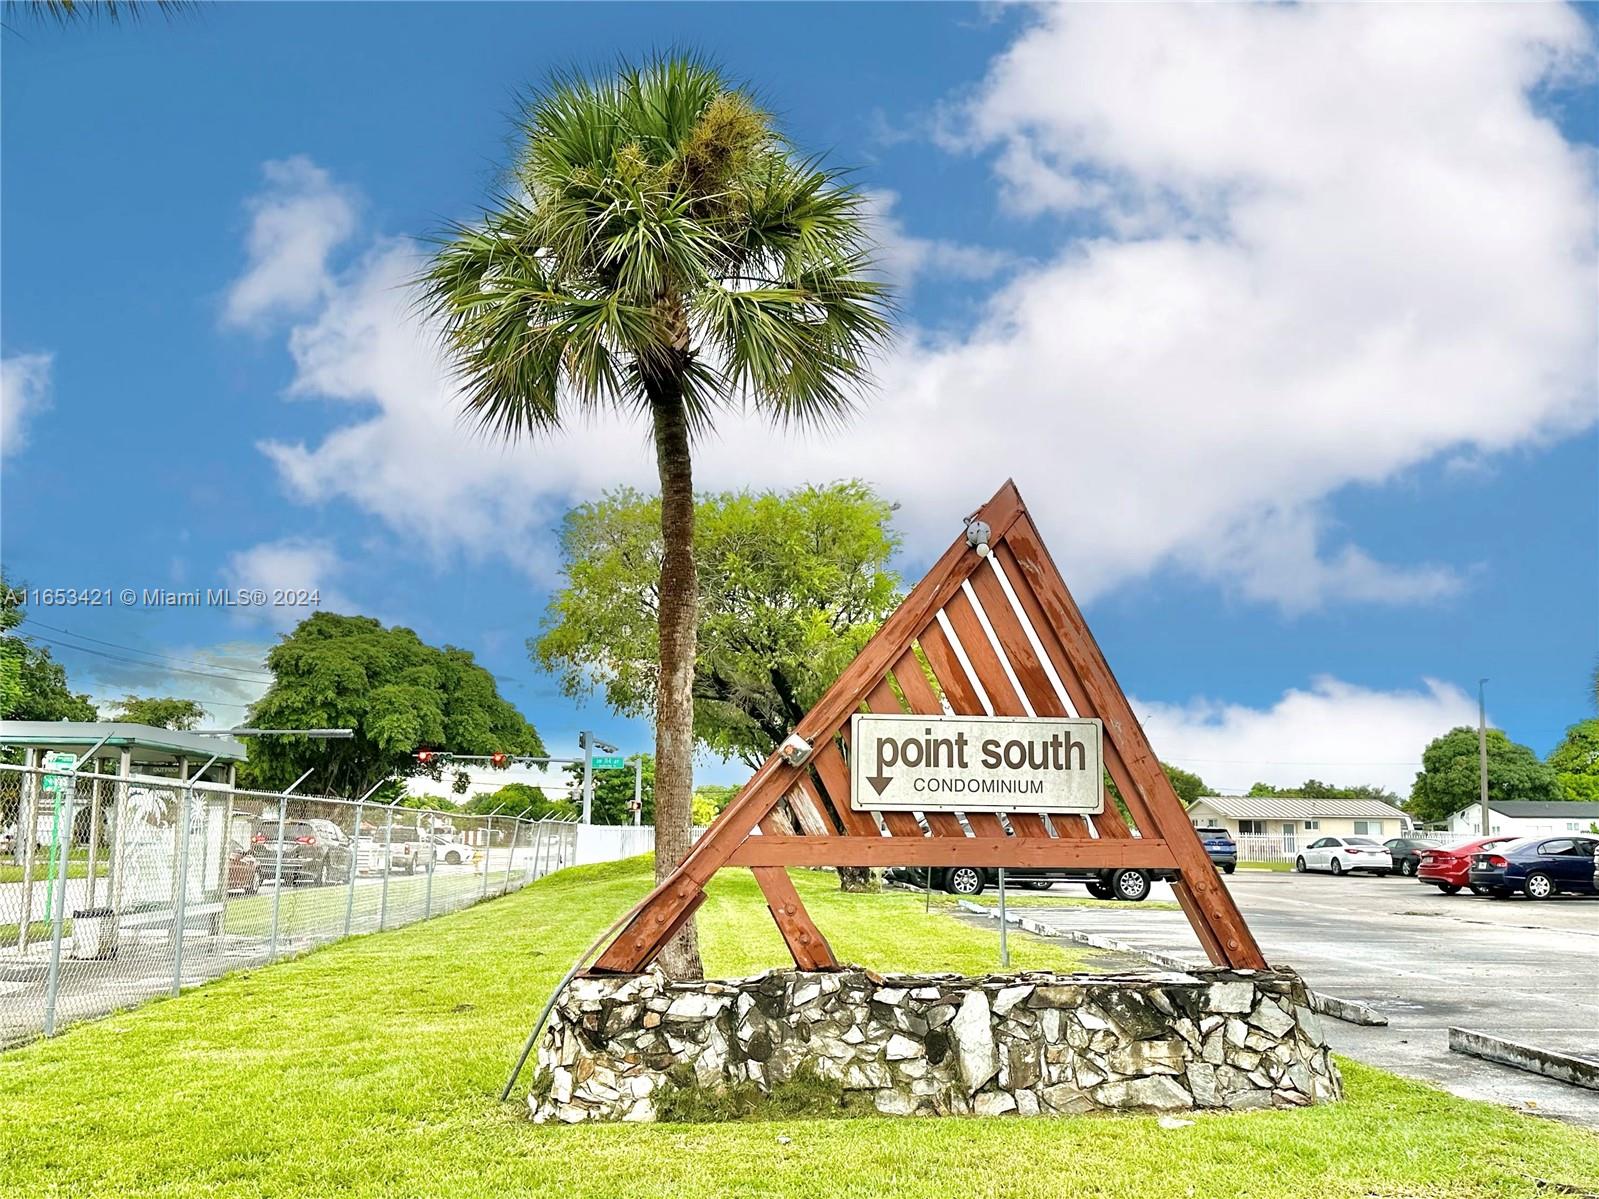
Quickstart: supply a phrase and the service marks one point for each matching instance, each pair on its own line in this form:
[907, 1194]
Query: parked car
[405, 847]
[1344, 855]
[1221, 847]
[452, 852]
[1538, 867]
[1131, 885]
[1447, 866]
[310, 851]
[1406, 853]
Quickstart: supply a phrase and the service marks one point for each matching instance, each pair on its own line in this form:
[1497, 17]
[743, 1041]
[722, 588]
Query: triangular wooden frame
[999, 635]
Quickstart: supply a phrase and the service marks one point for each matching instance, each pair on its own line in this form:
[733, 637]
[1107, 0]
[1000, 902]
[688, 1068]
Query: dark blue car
[1538, 867]
[1221, 847]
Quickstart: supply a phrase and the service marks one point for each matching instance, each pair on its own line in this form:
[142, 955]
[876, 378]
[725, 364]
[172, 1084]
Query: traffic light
[498, 761]
[424, 756]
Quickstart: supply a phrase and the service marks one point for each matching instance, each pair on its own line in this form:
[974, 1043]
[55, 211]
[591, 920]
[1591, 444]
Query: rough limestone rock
[1030, 1044]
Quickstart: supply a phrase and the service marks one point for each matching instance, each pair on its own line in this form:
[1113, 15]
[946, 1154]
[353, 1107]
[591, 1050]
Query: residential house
[1526, 818]
[1283, 823]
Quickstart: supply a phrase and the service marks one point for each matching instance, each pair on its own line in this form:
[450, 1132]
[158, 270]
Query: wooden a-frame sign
[970, 617]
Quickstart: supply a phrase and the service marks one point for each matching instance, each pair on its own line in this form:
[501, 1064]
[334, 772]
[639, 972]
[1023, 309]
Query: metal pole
[588, 776]
[433, 861]
[388, 865]
[28, 830]
[928, 905]
[1004, 945]
[510, 856]
[638, 790]
[488, 847]
[94, 837]
[277, 879]
[58, 925]
[179, 910]
[355, 868]
[533, 862]
[1482, 753]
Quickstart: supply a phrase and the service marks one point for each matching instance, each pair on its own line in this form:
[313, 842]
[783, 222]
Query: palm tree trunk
[674, 703]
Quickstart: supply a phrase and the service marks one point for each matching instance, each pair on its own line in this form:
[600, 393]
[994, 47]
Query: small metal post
[52, 986]
[510, 855]
[388, 866]
[180, 908]
[1004, 945]
[532, 871]
[488, 847]
[277, 878]
[433, 861]
[1482, 755]
[588, 775]
[28, 831]
[355, 869]
[928, 906]
[638, 790]
[94, 837]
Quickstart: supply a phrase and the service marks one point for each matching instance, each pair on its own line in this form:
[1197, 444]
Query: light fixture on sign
[977, 533]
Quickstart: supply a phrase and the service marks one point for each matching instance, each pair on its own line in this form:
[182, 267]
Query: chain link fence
[114, 890]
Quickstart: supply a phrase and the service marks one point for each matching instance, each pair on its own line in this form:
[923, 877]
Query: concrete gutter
[1564, 1067]
[1347, 1010]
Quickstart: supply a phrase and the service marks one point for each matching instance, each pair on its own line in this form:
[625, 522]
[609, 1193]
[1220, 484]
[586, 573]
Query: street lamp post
[1482, 754]
[589, 742]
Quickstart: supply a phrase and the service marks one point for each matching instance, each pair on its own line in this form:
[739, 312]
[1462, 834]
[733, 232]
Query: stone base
[942, 1044]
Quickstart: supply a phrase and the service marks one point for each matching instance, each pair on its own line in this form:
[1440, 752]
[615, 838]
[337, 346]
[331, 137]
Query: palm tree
[663, 251]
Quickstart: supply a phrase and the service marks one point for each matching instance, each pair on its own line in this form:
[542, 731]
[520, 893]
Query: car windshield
[1361, 841]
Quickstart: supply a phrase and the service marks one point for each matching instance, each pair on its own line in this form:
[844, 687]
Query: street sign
[609, 763]
[975, 764]
[56, 760]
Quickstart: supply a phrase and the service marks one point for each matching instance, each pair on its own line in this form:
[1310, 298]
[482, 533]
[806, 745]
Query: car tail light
[258, 839]
[1497, 862]
[305, 840]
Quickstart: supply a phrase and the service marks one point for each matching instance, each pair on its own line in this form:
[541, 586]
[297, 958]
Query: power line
[265, 675]
[204, 674]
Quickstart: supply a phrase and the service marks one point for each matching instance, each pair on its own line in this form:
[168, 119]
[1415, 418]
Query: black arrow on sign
[879, 781]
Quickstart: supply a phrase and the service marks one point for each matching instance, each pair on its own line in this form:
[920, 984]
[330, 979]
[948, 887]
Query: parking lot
[1520, 969]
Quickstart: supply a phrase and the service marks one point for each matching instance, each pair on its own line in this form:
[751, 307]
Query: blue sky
[1283, 320]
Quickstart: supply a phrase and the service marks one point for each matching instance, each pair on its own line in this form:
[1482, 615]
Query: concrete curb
[1563, 1067]
[1347, 1010]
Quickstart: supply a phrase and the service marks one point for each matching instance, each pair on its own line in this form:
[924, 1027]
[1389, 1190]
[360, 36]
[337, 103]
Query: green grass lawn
[1279, 867]
[370, 1068]
[76, 868]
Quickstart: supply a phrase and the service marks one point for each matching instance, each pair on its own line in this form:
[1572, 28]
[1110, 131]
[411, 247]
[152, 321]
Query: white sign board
[975, 764]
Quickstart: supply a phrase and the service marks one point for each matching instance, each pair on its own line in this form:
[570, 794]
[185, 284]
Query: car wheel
[964, 880]
[1038, 884]
[1477, 890]
[1299, 865]
[1501, 893]
[1098, 889]
[1450, 888]
[1130, 885]
[1337, 866]
[1407, 867]
[1229, 868]
[452, 859]
[1538, 885]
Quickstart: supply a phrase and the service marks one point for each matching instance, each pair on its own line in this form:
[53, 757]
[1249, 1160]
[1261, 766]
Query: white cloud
[294, 574]
[1333, 731]
[905, 258]
[24, 390]
[225, 678]
[1336, 242]
[300, 218]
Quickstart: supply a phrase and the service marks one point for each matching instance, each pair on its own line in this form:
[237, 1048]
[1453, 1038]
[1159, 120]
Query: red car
[1446, 868]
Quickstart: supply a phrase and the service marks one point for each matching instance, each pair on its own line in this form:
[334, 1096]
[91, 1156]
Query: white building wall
[1468, 822]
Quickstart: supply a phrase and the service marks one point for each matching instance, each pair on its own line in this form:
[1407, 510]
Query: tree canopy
[33, 685]
[520, 799]
[1450, 778]
[791, 586]
[1316, 789]
[396, 692]
[160, 712]
[1575, 762]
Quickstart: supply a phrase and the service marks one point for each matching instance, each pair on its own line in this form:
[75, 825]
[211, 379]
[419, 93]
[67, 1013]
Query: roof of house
[1296, 807]
[1525, 808]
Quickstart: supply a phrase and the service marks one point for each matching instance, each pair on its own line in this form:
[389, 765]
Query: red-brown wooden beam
[805, 942]
[1147, 853]
[1208, 903]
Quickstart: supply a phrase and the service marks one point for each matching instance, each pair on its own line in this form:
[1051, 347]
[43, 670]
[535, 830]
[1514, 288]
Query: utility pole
[638, 790]
[1482, 753]
[589, 742]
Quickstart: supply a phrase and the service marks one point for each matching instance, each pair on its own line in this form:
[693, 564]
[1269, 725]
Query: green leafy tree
[33, 685]
[1575, 762]
[710, 801]
[661, 250]
[159, 712]
[1316, 789]
[791, 586]
[1449, 778]
[396, 692]
[613, 792]
[521, 799]
[1188, 786]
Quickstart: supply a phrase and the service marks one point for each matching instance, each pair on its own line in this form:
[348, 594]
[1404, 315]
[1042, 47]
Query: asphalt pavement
[1517, 968]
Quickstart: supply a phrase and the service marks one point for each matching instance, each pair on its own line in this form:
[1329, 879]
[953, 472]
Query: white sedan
[1345, 855]
[453, 853]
